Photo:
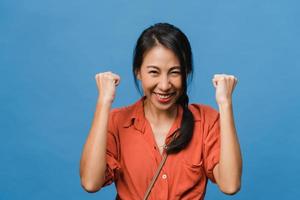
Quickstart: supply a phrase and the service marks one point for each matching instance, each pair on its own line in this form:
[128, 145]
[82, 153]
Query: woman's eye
[176, 72]
[152, 72]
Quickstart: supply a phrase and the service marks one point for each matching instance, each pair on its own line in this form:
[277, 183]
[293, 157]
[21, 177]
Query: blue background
[51, 50]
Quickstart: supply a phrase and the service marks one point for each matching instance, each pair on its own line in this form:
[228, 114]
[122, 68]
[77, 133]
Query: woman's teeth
[163, 96]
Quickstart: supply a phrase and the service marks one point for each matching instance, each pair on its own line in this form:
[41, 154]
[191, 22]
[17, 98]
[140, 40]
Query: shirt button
[164, 176]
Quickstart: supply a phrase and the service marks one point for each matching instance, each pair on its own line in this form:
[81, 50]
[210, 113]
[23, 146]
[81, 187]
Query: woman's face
[160, 75]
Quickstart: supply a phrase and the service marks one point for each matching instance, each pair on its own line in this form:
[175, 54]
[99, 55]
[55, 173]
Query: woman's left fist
[224, 85]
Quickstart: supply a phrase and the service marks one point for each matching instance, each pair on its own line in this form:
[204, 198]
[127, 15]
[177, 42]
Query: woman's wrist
[225, 105]
[104, 103]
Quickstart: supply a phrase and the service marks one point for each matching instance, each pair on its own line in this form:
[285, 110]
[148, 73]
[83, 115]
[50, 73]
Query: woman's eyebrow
[175, 67]
[172, 68]
[152, 66]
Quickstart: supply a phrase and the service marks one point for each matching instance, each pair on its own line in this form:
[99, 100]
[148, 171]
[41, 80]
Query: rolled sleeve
[212, 144]
[112, 151]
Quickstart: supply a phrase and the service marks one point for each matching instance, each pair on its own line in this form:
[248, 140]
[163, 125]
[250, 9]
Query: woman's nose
[164, 83]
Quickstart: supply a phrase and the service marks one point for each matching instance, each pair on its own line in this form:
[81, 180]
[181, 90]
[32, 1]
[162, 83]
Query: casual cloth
[133, 156]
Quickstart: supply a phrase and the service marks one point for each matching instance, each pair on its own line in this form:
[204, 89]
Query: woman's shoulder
[203, 111]
[124, 112]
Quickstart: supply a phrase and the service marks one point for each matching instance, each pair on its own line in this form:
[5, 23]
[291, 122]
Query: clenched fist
[224, 85]
[106, 83]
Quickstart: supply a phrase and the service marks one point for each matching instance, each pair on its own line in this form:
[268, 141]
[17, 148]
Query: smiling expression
[160, 75]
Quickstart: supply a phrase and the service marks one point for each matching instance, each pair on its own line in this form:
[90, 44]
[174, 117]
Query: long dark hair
[174, 39]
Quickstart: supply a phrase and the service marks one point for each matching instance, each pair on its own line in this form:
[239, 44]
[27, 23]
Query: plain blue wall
[51, 50]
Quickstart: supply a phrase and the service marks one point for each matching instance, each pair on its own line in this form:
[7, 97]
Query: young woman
[162, 147]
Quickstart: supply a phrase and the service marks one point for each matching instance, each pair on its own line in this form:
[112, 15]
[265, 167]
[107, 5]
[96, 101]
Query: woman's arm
[93, 160]
[229, 169]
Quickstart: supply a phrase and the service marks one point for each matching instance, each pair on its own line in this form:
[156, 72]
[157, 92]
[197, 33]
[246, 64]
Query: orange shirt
[133, 156]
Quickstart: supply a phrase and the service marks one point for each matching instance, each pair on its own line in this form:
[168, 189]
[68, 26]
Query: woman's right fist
[106, 83]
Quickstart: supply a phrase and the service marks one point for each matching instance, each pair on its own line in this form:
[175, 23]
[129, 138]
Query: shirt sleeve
[211, 142]
[112, 151]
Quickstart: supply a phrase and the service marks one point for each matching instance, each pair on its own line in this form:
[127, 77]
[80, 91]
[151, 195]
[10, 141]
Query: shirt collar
[137, 116]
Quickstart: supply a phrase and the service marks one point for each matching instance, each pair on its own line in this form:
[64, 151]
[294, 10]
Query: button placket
[164, 186]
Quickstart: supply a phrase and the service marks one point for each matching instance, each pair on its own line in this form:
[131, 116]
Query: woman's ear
[138, 74]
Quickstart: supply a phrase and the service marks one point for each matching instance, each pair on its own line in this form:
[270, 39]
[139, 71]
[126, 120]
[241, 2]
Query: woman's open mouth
[164, 98]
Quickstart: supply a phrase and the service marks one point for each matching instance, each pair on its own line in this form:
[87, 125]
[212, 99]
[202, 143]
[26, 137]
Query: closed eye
[153, 72]
[176, 73]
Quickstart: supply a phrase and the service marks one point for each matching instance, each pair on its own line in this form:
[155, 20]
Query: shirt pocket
[190, 178]
[193, 167]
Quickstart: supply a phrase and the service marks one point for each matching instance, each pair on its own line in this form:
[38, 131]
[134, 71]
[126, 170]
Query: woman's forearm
[93, 160]
[230, 165]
